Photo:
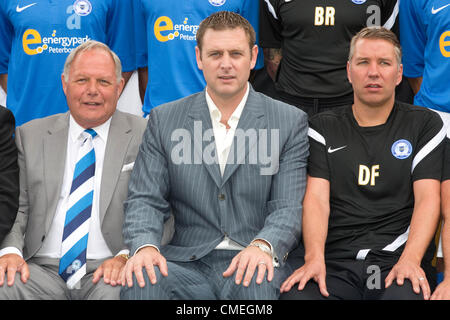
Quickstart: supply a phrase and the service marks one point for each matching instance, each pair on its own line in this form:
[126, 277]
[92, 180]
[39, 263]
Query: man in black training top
[372, 199]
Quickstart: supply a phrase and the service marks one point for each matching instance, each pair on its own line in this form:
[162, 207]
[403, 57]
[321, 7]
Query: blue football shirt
[43, 33]
[165, 38]
[425, 38]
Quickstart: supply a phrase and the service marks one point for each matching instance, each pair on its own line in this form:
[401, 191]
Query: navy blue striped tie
[72, 266]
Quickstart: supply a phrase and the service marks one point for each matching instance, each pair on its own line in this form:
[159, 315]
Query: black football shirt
[371, 172]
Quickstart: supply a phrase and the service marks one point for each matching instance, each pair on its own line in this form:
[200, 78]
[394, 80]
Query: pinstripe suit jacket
[243, 204]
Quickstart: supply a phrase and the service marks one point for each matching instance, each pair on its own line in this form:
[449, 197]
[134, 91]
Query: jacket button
[221, 197]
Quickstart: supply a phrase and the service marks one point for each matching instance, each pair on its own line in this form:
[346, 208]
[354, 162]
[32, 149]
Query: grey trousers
[45, 283]
[203, 280]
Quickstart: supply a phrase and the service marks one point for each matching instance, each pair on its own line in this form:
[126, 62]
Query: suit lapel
[119, 136]
[199, 121]
[55, 151]
[253, 118]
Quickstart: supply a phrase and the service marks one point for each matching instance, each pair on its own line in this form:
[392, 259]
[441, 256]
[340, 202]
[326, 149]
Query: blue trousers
[203, 280]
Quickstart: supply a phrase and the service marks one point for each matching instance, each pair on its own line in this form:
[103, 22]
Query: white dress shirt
[96, 247]
[224, 139]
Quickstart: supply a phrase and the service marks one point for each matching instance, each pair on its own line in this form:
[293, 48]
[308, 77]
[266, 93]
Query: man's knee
[264, 291]
[17, 291]
[403, 292]
[150, 291]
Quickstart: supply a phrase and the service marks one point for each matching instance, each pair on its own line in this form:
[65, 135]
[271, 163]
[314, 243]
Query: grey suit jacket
[174, 173]
[42, 145]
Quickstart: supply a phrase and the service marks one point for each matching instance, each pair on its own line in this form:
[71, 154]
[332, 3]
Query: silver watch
[265, 248]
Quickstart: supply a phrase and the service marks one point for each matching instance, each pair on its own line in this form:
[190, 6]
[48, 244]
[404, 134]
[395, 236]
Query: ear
[64, 84]
[120, 87]
[198, 56]
[349, 77]
[399, 75]
[254, 56]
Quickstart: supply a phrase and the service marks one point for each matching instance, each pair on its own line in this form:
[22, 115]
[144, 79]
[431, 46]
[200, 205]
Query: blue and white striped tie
[72, 266]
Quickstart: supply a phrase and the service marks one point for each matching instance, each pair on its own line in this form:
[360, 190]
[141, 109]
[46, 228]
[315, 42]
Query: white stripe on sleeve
[430, 146]
[316, 136]
[271, 9]
[390, 22]
[401, 239]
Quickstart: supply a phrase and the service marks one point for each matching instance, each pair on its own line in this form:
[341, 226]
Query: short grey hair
[377, 33]
[92, 45]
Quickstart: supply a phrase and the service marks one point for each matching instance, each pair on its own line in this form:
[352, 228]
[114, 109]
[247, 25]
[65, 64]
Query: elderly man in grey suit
[66, 242]
[229, 164]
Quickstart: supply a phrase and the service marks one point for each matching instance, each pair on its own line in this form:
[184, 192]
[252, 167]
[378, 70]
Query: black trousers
[349, 279]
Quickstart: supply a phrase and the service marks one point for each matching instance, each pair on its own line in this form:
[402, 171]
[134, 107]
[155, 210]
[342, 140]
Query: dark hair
[226, 20]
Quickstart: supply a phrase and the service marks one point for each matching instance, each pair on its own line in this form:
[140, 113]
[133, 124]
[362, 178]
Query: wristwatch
[264, 247]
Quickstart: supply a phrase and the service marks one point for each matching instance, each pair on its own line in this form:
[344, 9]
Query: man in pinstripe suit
[230, 165]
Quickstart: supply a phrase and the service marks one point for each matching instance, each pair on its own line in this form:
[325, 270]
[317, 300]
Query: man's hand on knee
[9, 265]
[110, 270]
[247, 261]
[148, 258]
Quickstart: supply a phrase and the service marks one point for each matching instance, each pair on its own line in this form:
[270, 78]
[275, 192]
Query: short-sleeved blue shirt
[41, 35]
[166, 43]
[425, 39]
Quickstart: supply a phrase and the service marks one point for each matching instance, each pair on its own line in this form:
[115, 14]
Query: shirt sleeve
[317, 161]
[269, 25]
[140, 31]
[413, 37]
[429, 150]
[389, 15]
[6, 32]
[120, 33]
[250, 11]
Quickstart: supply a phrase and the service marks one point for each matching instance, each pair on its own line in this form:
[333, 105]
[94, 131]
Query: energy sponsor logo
[33, 43]
[165, 30]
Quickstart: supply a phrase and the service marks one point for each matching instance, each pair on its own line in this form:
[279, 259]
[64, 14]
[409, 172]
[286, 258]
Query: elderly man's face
[92, 90]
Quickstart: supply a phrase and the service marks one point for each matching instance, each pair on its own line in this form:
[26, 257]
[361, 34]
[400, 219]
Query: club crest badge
[217, 3]
[82, 7]
[401, 149]
[358, 1]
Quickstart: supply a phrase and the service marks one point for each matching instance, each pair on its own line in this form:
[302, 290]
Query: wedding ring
[262, 262]
[421, 279]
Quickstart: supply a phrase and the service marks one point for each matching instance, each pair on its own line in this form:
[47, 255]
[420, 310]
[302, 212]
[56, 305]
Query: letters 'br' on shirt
[315, 39]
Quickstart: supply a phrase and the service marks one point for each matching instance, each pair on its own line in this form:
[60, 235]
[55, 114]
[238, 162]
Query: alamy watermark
[249, 146]
[374, 280]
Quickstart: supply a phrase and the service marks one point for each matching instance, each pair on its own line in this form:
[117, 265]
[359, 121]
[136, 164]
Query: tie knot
[87, 134]
[91, 132]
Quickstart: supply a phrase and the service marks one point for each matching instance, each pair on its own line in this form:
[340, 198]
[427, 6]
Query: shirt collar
[75, 129]
[216, 115]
